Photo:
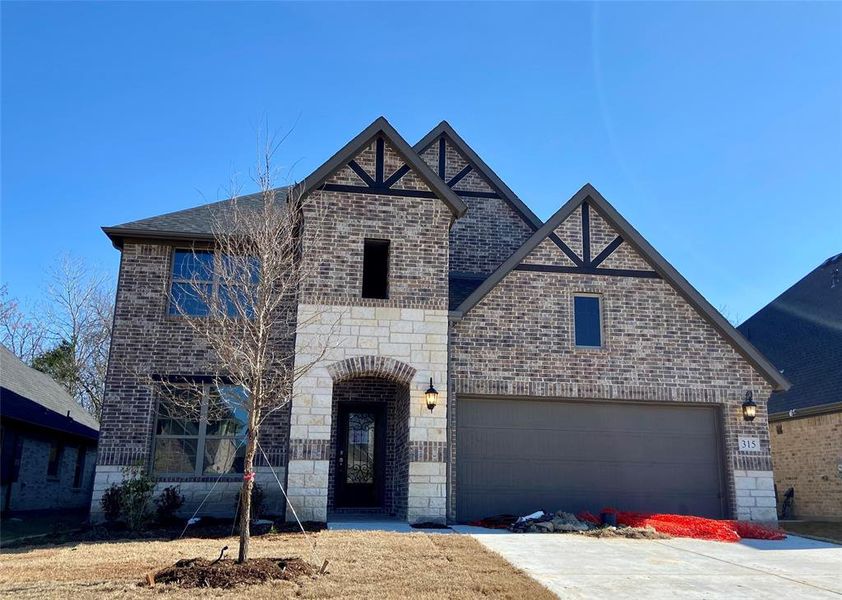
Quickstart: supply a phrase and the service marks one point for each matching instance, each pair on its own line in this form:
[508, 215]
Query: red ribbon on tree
[249, 476]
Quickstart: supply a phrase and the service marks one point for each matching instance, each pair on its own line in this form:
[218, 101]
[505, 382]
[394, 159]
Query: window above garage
[587, 321]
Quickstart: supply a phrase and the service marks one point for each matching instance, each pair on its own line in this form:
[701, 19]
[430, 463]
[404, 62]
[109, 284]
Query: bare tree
[79, 315]
[22, 335]
[244, 288]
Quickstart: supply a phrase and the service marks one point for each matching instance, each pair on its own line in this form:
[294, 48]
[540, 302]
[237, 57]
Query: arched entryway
[369, 443]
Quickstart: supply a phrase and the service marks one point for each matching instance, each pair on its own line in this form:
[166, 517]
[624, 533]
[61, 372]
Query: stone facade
[518, 341]
[807, 454]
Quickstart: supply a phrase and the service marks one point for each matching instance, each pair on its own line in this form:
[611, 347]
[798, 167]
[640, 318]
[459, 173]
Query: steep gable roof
[382, 127]
[34, 397]
[444, 129]
[801, 333]
[588, 194]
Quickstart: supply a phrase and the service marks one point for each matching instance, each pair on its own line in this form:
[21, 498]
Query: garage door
[519, 456]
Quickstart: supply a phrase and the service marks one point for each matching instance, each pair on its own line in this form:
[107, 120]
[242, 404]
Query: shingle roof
[194, 223]
[32, 396]
[800, 331]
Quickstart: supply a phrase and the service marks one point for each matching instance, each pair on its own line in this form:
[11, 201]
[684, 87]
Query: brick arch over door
[371, 366]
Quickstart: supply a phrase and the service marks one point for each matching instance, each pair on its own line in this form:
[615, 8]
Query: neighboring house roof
[444, 129]
[629, 235]
[382, 127]
[33, 397]
[801, 333]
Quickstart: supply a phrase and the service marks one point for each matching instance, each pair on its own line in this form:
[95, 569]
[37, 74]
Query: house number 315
[749, 443]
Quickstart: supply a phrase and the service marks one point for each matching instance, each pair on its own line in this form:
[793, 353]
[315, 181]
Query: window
[196, 276]
[54, 461]
[587, 321]
[200, 430]
[79, 473]
[376, 268]
[192, 272]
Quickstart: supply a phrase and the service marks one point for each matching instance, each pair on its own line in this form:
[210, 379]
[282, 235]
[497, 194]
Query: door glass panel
[360, 448]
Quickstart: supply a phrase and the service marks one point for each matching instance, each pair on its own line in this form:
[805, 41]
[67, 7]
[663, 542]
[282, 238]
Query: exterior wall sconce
[749, 407]
[431, 396]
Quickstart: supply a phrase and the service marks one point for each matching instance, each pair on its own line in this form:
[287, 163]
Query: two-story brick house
[575, 368]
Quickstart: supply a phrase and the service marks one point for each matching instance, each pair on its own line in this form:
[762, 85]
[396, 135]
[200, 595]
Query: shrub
[168, 503]
[110, 503]
[135, 496]
[257, 497]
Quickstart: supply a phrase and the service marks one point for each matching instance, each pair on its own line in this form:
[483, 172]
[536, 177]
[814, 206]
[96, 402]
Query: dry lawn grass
[362, 565]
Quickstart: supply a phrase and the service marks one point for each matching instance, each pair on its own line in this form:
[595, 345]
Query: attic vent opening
[376, 268]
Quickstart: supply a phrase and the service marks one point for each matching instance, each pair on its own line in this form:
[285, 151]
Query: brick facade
[146, 342]
[490, 231]
[35, 490]
[516, 342]
[807, 454]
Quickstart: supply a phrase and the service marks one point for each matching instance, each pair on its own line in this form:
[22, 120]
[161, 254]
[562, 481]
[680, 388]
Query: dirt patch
[228, 573]
[631, 533]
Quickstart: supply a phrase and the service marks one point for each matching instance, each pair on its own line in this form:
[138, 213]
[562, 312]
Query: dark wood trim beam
[607, 251]
[588, 271]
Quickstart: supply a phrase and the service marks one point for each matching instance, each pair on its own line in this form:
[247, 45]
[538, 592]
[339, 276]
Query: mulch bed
[228, 573]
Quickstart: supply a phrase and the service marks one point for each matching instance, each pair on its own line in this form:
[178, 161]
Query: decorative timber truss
[378, 182]
[586, 264]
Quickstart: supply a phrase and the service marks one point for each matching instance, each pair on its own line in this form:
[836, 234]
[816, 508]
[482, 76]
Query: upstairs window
[198, 276]
[200, 430]
[376, 268]
[192, 282]
[587, 321]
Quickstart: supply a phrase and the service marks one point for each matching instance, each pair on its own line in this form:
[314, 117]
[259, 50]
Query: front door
[359, 455]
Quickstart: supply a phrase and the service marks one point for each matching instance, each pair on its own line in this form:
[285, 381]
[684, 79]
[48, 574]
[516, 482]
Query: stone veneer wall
[145, 341]
[807, 454]
[518, 341]
[490, 231]
[409, 328]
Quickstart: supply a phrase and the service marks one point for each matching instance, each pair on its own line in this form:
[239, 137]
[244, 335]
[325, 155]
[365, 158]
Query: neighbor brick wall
[490, 231]
[35, 491]
[807, 455]
[518, 341]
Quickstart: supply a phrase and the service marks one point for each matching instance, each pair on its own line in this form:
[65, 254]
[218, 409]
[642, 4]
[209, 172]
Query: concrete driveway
[574, 566]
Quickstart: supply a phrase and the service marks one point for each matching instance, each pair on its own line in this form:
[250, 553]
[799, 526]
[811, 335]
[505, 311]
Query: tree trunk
[248, 484]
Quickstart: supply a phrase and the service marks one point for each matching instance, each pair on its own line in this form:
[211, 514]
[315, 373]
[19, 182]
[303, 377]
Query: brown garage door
[519, 456]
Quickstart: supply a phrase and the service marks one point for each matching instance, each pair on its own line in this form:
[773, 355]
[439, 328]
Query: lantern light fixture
[431, 396]
[749, 407]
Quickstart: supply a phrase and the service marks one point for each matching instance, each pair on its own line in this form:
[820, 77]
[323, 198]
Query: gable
[381, 175]
[496, 223]
[586, 243]
[605, 247]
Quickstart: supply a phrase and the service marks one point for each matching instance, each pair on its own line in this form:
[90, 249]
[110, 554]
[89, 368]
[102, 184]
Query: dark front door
[360, 455]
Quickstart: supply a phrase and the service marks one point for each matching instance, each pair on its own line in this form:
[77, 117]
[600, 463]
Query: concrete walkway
[574, 566]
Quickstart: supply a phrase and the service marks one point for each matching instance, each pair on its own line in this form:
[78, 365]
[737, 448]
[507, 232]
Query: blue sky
[714, 128]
